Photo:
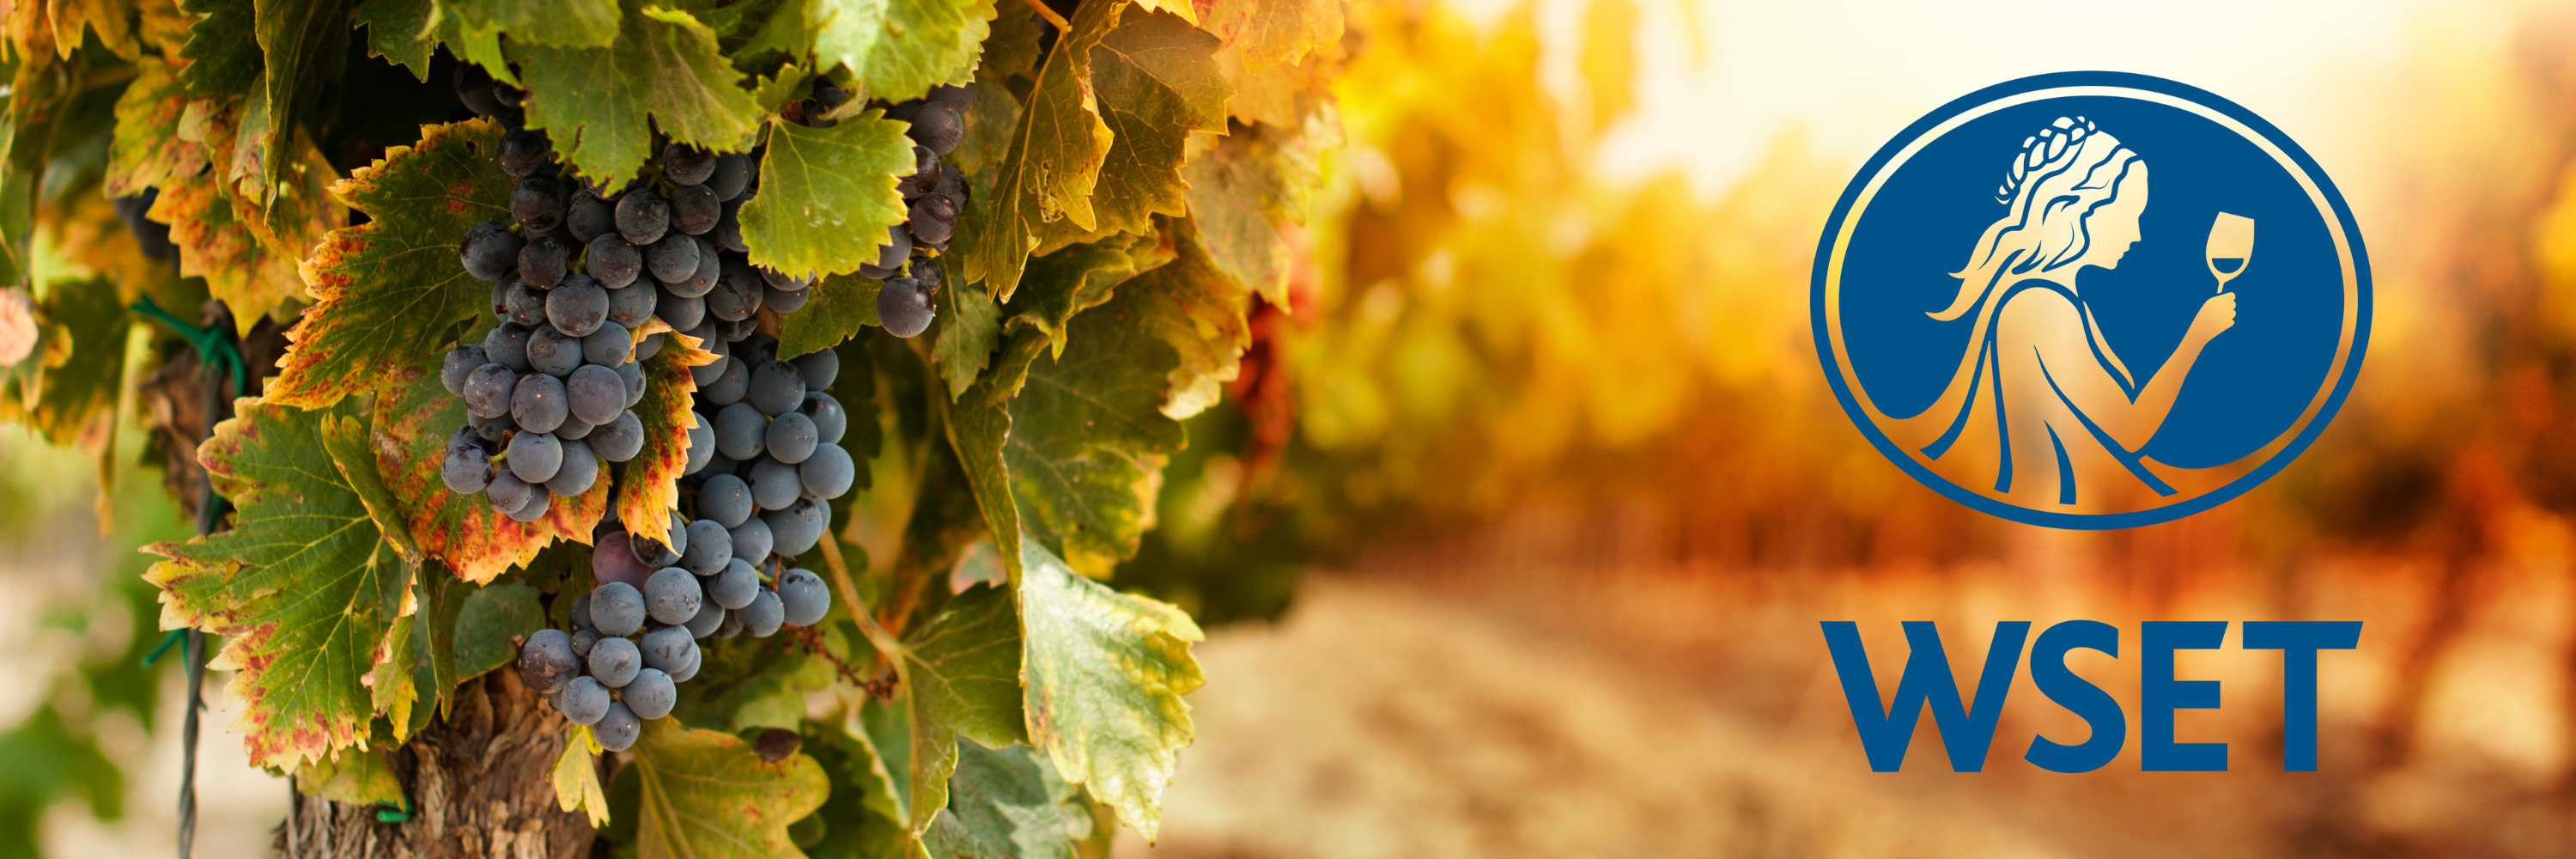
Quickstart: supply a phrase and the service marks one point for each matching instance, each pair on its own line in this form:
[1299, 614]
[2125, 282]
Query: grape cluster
[766, 456]
[935, 193]
[555, 379]
[635, 636]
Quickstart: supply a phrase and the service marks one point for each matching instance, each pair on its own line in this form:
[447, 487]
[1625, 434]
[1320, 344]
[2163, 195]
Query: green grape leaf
[353, 776]
[552, 23]
[1058, 144]
[576, 777]
[1087, 437]
[302, 583]
[412, 424]
[347, 443]
[706, 794]
[304, 47]
[970, 328]
[491, 617]
[1201, 313]
[1255, 180]
[1105, 675]
[222, 49]
[398, 31]
[961, 676]
[79, 362]
[900, 48]
[827, 195]
[481, 47]
[1157, 80]
[836, 309]
[773, 93]
[1008, 803]
[146, 151]
[393, 683]
[389, 292]
[861, 820]
[1012, 49]
[651, 487]
[1078, 278]
[594, 101]
[1273, 31]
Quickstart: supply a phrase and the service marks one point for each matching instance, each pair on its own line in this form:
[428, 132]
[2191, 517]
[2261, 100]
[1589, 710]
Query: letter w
[1965, 732]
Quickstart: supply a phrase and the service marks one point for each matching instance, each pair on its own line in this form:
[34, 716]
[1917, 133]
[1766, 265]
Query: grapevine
[618, 339]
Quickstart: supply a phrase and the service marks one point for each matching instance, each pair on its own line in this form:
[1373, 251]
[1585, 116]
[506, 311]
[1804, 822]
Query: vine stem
[1061, 25]
[887, 647]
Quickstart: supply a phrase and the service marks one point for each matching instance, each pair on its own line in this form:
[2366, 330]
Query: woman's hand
[2216, 315]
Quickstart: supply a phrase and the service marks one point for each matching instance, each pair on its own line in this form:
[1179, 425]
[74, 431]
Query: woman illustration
[2041, 407]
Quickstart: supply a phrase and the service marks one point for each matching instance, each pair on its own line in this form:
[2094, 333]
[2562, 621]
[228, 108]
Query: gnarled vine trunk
[481, 785]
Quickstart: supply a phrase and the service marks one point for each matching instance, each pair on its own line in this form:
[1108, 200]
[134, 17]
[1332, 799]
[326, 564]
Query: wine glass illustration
[2231, 247]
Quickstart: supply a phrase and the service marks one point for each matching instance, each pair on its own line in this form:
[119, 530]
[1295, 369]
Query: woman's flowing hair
[2061, 175]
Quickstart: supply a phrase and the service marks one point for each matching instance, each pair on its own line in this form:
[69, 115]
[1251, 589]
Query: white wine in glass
[2231, 247]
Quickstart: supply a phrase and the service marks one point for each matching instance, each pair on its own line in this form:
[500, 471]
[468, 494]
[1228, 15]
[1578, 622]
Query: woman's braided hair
[2060, 175]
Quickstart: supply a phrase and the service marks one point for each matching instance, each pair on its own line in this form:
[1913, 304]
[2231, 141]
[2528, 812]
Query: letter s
[2079, 696]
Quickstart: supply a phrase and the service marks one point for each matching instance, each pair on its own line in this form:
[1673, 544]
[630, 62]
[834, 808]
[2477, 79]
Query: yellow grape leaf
[651, 487]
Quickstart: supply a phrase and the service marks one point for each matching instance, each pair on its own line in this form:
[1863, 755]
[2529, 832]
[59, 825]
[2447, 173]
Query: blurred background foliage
[1487, 323]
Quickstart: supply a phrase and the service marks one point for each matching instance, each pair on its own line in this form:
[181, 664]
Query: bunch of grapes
[634, 636]
[935, 193]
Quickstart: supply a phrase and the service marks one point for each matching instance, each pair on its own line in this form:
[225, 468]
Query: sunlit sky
[1849, 73]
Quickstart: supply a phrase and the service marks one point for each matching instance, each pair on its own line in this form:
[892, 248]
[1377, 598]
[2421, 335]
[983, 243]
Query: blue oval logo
[2091, 300]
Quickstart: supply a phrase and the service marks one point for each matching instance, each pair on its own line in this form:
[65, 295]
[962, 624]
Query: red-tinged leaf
[651, 485]
[412, 424]
[303, 584]
[389, 293]
[147, 149]
[220, 247]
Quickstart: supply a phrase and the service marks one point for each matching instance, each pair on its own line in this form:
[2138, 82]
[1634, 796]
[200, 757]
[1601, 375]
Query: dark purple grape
[898, 247]
[630, 307]
[651, 345]
[618, 728]
[608, 346]
[683, 312]
[790, 438]
[494, 429]
[702, 444]
[829, 421]
[538, 405]
[710, 267]
[762, 617]
[933, 219]
[672, 595]
[474, 87]
[507, 95]
[751, 539]
[830, 96]
[776, 388]
[732, 174]
[687, 165]
[642, 216]
[959, 97]
[903, 308]
[774, 485]
[546, 662]
[802, 597]
[613, 661]
[737, 294]
[523, 150]
[579, 470]
[673, 260]
[467, 467]
[826, 474]
[728, 231]
[695, 209]
[534, 456]
[526, 304]
[537, 202]
[488, 389]
[577, 306]
[508, 493]
[543, 261]
[783, 302]
[818, 368]
[937, 126]
[595, 394]
[488, 250]
[589, 218]
[507, 345]
[583, 701]
[460, 363]
[732, 330]
[618, 440]
[573, 429]
[650, 695]
[612, 262]
[633, 375]
[612, 559]
[552, 353]
[729, 386]
[704, 624]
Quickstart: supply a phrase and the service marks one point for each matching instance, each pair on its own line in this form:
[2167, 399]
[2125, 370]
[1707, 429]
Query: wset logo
[2091, 300]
